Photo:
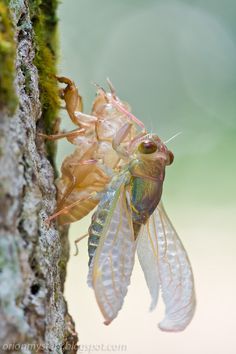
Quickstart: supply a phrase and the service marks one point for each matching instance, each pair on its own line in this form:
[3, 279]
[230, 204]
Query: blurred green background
[175, 63]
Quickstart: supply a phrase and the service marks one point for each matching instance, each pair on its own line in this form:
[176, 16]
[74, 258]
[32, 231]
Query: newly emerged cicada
[131, 217]
[120, 168]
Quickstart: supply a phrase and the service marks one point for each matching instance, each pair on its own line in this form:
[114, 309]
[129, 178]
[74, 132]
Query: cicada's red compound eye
[147, 147]
[170, 157]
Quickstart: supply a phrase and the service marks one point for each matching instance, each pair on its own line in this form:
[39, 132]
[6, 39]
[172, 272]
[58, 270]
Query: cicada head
[151, 147]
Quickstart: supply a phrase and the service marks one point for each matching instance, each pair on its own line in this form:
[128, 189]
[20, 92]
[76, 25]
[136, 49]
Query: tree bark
[33, 256]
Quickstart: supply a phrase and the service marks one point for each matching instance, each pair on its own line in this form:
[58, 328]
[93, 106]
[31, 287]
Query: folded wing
[167, 260]
[112, 264]
[147, 250]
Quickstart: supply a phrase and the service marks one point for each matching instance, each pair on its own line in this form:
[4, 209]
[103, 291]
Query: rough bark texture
[33, 256]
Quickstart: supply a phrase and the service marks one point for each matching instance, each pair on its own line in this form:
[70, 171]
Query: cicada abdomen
[77, 182]
[104, 210]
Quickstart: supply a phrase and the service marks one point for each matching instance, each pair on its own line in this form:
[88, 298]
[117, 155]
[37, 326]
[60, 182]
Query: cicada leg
[136, 139]
[66, 209]
[99, 171]
[120, 136]
[71, 134]
[66, 80]
[77, 241]
[120, 108]
[74, 104]
[89, 119]
[70, 95]
[67, 193]
[100, 90]
[111, 87]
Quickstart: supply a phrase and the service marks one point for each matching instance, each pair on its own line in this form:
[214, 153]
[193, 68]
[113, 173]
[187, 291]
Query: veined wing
[173, 271]
[147, 250]
[112, 264]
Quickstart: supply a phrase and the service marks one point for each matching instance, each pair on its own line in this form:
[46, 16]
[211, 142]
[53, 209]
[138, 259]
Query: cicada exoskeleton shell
[89, 168]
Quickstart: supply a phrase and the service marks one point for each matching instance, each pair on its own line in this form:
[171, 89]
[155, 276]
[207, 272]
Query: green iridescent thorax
[145, 189]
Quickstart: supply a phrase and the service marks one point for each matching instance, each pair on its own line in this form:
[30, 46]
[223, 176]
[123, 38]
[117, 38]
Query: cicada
[130, 217]
[89, 169]
[119, 167]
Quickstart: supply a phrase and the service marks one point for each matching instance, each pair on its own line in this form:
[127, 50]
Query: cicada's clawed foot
[61, 94]
[74, 104]
[70, 95]
[65, 80]
[76, 243]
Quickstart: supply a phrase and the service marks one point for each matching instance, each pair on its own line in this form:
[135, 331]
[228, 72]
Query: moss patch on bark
[8, 99]
[44, 20]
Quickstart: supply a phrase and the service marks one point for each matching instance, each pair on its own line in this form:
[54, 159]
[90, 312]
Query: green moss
[8, 99]
[57, 296]
[62, 265]
[43, 16]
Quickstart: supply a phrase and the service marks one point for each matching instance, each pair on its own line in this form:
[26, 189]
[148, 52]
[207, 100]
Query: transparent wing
[173, 271]
[112, 265]
[147, 250]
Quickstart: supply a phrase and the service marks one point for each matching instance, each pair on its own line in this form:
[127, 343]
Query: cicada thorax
[145, 190]
[147, 177]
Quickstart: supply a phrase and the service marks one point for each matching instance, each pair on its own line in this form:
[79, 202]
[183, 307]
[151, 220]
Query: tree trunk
[33, 256]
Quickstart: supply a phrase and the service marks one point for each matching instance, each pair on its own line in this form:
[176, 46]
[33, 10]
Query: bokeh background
[175, 63]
